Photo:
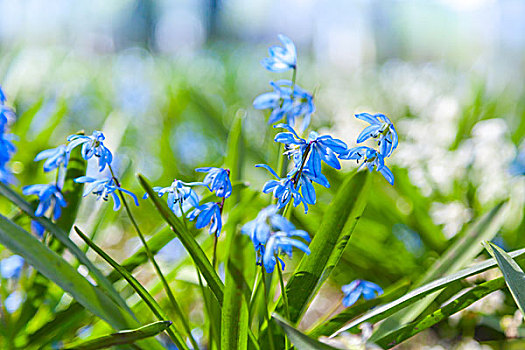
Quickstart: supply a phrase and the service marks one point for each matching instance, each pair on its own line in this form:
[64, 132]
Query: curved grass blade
[513, 274]
[300, 340]
[123, 337]
[193, 248]
[456, 257]
[62, 236]
[328, 244]
[462, 302]
[384, 311]
[64, 275]
[141, 291]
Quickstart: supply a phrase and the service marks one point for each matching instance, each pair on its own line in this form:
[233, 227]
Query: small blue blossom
[207, 214]
[285, 104]
[11, 267]
[102, 188]
[356, 288]
[517, 166]
[371, 159]
[6, 116]
[13, 301]
[2, 96]
[271, 235]
[6, 148]
[91, 146]
[49, 196]
[281, 58]
[320, 148]
[217, 180]
[55, 157]
[382, 128]
[179, 194]
[6, 176]
[285, 189]
[37, 228]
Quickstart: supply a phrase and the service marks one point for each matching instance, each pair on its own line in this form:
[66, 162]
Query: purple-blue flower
[92, 146]
[6, 148]
[281, 58]
[6, 115]
[217, 180]
[371, 159]
[380, 128]
[49, 196]
[11, 267]
[271, 235]
[55, 157]
[284, 104]
[13, 301]
[207, 214]
[2, 96]
[102, 188]
[179, 195]
[356, 288]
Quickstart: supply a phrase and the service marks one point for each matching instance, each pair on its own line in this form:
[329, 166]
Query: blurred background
[165, 79]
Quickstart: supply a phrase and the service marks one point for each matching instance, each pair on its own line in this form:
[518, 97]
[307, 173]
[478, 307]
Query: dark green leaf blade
[299, 339]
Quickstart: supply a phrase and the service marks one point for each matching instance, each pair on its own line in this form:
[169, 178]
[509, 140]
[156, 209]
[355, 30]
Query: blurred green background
[164, 80]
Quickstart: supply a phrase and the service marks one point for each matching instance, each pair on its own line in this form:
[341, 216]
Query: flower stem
[167, 288]
[285, 297]
[270, 332]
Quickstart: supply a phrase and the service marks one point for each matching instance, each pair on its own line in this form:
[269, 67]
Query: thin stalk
[167, 288]
[285, 298]
[215, 236]
[270, 332]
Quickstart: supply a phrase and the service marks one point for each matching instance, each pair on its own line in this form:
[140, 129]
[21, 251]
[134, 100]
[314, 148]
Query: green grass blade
[300, 340]
[62, 236]
[141, 291]
[513, 274]
[462, 302]
[123, 337]
[193, 248]
[456, 257]
[328, 243]
[384, 311]
[64, 275]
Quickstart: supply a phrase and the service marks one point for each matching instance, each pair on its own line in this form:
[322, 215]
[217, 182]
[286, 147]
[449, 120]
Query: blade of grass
[299, 339]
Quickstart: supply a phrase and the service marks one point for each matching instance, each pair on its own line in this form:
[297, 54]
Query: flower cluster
[7, 148]
[272, 235]
[355, 289]
[181, 198]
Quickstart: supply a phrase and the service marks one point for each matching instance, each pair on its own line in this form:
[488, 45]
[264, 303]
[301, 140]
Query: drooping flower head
[49, 196]
[285, 104]
[217, 180]
[281, 58]
[104, 187]
[380, 128]
[271, 235]
[207, 214]
[11, 267]
[179, 195]
[372, 159]
[91, 146]
[356, 288]
[55, 157]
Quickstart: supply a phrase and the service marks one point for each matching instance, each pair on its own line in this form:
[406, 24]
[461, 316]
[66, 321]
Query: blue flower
[49, 196]
[207, 214]
[371, 159]
[55, 157]
[271, 235]
[284, 104]
[6, 176]
[92, 146]
[2, 96]
[284, 190]
[517, 166]
[316, 148]
[11, 267]
[380, 127]
[102, 188]
[13, 301]
[217, 180]
[6, 115]
[6, 148]
[357, 288]
[281, 58]
[179, 194]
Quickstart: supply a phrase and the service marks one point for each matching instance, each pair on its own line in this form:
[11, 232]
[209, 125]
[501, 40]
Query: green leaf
[193, 248]
[141, 291]
[462, 252]
[62, 236]
[122, 337]
[328, 244]
[384, 311]
[64, 275]
[299, 339]
[460, 303]
[513, 274]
